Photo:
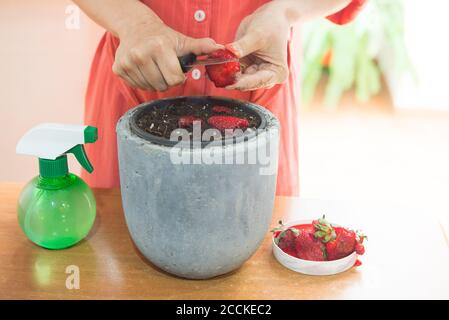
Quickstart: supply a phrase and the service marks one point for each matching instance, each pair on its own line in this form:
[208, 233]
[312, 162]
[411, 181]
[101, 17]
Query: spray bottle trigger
[80, 155]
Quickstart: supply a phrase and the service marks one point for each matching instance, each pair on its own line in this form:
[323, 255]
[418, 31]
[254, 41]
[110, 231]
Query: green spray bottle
[57, 209]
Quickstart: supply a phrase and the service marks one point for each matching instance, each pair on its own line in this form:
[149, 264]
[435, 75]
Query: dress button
[200, 15]
[196, 74]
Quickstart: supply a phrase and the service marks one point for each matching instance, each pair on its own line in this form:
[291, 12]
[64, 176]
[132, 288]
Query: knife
[190, 61]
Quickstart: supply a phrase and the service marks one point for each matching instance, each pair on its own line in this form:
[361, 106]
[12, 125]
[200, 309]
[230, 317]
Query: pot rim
[252, 108]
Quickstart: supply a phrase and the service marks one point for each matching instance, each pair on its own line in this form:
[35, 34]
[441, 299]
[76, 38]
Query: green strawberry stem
[324, 230]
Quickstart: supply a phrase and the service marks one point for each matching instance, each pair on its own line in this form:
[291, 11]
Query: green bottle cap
[53, 168]
[51, 142]
[90, 134]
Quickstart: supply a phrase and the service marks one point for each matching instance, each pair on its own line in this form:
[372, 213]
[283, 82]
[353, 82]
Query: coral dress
[109, 97]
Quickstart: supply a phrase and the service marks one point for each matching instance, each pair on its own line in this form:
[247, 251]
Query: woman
[136, 61]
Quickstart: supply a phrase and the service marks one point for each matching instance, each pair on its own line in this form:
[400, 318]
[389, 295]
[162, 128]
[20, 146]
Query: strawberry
[290, 251]
[310, 248]
[285, 238]
[227, 122]
[221, 109]
[319, 241]
[343, 244]
[324, 230]
[187, 121]
[340, 242]
[224, 74]
[359, 248]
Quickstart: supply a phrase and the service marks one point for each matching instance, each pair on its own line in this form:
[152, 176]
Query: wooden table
[412, 262]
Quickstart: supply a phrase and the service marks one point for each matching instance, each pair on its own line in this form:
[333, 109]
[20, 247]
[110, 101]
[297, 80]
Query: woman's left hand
[262, 39]
[261, 45]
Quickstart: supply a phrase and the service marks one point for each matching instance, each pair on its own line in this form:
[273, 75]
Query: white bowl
[313, 268]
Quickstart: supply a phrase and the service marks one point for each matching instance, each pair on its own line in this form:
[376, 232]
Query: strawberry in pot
[227, 122]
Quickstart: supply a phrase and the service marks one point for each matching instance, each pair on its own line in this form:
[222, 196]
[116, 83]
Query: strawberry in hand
[223, 74]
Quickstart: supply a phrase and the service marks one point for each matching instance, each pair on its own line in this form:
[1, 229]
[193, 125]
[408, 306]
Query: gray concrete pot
[202, 220]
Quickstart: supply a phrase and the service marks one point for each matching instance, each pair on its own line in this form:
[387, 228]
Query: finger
[266, 76]
[246, 45]
[170, 68]
[148, 86]
[258, 80]
[253, 81]
[153, 75]
[133, 72]
[246, 62]
[131, 81]
[199, 46]
[251, 69]
[120, 71]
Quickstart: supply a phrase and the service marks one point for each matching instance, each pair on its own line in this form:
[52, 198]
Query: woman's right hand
[147, 57]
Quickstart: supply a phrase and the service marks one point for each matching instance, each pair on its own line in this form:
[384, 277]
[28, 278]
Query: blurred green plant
[350, 54]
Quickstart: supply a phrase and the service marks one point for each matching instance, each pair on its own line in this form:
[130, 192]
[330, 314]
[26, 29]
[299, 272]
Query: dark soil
[161, 121]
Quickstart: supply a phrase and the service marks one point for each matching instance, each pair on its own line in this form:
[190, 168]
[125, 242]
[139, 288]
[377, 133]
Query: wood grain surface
[412, 264]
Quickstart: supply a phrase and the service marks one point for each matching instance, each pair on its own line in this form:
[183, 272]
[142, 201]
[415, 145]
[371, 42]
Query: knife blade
[208, 62]
[189, 61]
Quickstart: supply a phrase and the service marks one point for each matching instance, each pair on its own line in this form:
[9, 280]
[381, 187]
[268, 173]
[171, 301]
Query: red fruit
[221, 109]
[359, 248]
[290, 251]
[187, 121]
[331, 250]
[343, 245]
[286, 240]
[227, 122]
[357, 263]
[224, 74]
[310, 248]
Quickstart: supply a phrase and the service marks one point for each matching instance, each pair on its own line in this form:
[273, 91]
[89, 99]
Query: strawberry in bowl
[317, 247]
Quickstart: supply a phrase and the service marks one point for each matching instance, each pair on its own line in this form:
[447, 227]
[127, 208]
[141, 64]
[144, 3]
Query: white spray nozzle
[50, 140]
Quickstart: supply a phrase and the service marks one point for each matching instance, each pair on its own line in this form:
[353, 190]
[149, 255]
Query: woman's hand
[147, 57]
[262, 39]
